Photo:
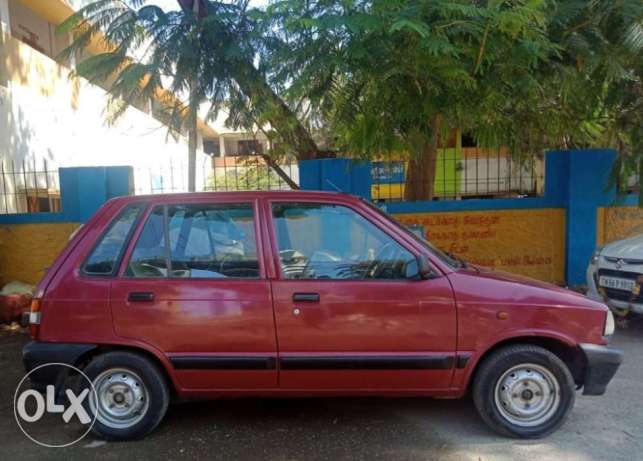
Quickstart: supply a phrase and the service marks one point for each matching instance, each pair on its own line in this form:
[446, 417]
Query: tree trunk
[193, 121]
[280, 172]
[420, 171]
[192, 140]
[282, 119]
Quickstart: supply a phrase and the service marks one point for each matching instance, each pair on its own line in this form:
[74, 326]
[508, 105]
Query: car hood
[629, 248]
[512, 287]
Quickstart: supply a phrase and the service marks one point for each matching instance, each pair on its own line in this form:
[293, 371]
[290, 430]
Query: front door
[193, 286]
[350, 307]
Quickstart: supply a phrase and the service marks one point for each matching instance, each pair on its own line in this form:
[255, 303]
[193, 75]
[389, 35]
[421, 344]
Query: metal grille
[29, 187]
[221, 174]
[465, 173]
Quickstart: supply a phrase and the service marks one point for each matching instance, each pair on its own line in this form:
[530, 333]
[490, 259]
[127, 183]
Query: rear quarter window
[104, 258]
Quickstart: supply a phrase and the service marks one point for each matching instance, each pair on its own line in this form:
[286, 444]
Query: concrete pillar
[589, 173]
[5, 19]
[83, 190]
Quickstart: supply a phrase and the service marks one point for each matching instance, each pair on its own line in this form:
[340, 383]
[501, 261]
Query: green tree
[602, 41]
[590, 92]
[200, 53]
[395, 76]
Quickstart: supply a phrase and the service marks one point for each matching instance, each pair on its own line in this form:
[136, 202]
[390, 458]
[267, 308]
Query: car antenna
[334, 186]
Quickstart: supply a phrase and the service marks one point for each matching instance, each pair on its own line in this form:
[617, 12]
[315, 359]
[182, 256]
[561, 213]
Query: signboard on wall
[389, 177]
[527, 242]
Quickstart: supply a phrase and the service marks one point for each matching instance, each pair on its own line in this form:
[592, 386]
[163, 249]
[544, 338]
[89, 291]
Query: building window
[211, 147]
[249, 147]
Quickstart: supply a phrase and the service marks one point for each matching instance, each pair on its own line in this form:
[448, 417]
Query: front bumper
[594, 291]
[602, 364]
[36, 354]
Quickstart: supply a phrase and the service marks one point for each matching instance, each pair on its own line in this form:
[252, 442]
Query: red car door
[351, 311]
[193, 286]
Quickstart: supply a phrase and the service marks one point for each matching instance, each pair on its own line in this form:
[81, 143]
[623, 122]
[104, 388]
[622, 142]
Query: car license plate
[617, 283]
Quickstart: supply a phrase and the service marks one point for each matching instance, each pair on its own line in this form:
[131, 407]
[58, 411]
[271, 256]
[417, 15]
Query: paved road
[608, 427]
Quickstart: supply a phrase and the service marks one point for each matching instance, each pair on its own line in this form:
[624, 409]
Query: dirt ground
[599, 428]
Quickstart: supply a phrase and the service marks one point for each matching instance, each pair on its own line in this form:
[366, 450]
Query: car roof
[241, 195]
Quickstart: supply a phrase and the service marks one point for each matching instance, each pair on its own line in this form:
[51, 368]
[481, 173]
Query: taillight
[34, 317]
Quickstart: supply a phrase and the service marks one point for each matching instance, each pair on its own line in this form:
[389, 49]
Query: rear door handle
[306, 297]
[140, 296]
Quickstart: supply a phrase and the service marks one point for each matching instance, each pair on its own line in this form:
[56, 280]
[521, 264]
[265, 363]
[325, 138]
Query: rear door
[351, 310]
[193, 286]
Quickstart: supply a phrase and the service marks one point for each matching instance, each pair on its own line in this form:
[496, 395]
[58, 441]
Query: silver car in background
[615, 275]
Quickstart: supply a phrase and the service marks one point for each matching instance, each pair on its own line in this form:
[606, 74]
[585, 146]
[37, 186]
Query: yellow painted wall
[616, 223]
[527, 242]
[27, 249]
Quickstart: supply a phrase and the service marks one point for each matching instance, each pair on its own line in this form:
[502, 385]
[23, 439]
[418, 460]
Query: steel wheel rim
[122, 400]
[527, 395]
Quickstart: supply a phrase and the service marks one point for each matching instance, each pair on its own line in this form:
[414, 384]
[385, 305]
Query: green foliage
[251, 175]
[149, 50]
[529, 74]
[374, 77]
[204, 56]
[379, 71]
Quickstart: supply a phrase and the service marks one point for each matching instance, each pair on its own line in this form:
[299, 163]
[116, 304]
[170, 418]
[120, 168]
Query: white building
[48, 120]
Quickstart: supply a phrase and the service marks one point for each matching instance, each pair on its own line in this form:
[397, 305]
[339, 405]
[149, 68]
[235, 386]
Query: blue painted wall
[336, 175]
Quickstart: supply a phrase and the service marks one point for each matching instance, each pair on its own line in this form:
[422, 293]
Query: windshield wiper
[458, 259]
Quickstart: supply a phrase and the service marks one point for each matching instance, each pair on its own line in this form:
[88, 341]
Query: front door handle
[306, 297]
[140, 296]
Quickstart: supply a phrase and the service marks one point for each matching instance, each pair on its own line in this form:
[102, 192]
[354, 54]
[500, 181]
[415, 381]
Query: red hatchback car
[303, 294]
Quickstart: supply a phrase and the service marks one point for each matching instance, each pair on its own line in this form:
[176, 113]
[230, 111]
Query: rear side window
[103, 260]
[197, 241]
[149, 258]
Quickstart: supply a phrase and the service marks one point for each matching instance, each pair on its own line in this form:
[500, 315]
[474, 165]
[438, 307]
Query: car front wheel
[523, 391]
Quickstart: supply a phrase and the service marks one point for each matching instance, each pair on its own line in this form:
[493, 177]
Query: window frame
[124, 263]
[274, 244]
[119, 258]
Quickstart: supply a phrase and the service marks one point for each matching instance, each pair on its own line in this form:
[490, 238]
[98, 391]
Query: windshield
[444, 257]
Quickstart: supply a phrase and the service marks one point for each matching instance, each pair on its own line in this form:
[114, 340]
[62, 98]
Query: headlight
[609, 324]
[597, 255]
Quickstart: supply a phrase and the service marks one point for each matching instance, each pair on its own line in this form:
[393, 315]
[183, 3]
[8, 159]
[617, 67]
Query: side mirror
[424, 267]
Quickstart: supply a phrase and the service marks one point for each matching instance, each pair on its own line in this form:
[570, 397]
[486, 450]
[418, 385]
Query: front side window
[104, 258]
[324, 241]
[197, 241]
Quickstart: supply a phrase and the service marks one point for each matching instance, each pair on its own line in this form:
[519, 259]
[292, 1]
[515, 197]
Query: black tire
[156, 393]
[493, 368]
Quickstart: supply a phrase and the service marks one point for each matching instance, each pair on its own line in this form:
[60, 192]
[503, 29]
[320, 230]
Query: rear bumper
[602, 364]
[36, 354]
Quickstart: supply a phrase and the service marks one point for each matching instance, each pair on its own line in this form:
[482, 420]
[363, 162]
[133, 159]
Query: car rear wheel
[524, 391]
[132, 395]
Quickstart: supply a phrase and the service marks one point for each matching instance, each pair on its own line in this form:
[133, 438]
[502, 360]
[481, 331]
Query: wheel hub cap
[527, 395]
[122, 399]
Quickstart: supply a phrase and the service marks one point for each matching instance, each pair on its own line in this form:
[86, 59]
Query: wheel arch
[568, 352]
[163, 365]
